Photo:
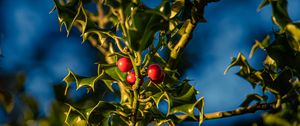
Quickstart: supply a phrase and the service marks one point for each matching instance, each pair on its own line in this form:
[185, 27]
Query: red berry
[154, 72]
[131, 78]
[161, 79]
[124, 64]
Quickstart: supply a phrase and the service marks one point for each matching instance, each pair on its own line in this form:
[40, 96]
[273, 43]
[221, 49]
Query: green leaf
[6, 100]
[262, 4]
[282, 83]
[250, 98]
[145, 24]
[115, 73]
[281, 52]
[165, 7]
[181, 99]
[81, 81]
[97, 115]
[275, 120]
[294, 30]
[240, 60]
[184, 101]
[31, 109]
[246, 71]
[188, 109]
[177, 5]
[66, 14]
[262, 45]
[106, 68]
[197, 10]
[117, 4]
[117, 120]
[280, 14]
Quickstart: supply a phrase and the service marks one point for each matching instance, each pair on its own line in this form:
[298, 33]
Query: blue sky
[31, 42]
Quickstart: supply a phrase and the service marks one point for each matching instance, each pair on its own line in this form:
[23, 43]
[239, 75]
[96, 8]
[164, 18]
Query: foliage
[21, 108]
[281, 72]
[131, 29]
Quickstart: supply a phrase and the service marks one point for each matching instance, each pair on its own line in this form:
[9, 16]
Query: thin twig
[235, 112]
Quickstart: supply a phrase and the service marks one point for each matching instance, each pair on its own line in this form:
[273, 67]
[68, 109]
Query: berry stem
[136, 89]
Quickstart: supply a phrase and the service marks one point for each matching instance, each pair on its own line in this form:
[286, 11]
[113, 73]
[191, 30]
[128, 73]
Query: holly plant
[141, 48]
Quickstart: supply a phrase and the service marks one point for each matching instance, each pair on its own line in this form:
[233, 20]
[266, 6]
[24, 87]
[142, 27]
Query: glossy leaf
[177, 5]
[115, 73]
[66, 14]
[81, 81]
[246, 71]
[181, 99]
[280, 15]
[294, 30]
[262, 45]
[97, 115]
[250, 98]
[145, 24]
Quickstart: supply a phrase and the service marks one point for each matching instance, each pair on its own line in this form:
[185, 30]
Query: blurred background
[36, 54]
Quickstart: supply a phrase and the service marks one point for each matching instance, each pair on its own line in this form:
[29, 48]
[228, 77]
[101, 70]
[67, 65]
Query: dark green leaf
[117, 120]
[97, 115]
[284, 56]
[197, 10]
[280, 14]
[81, 81]
[250, 98]
[66, 14]
[282, 83]
[145, 24]
[6, 100]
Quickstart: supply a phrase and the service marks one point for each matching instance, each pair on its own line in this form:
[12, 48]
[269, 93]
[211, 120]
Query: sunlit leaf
[97, 115]
[177, 5]
[246, 71]
[6, 100]
[294, 30]
[262, 45]
[81, 81]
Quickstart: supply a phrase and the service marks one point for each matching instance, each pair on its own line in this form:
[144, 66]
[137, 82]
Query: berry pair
[155, 73]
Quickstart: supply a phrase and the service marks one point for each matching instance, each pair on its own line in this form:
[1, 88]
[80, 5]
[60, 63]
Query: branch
[183, 41]
[136, 90]
[239, 111]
